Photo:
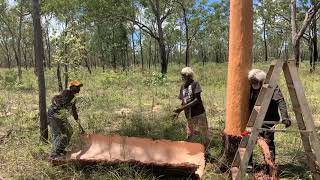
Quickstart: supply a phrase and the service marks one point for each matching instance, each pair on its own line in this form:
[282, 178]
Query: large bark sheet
[163, 153]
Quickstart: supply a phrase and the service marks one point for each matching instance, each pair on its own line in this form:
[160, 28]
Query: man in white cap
[190, 95]
[256, 78]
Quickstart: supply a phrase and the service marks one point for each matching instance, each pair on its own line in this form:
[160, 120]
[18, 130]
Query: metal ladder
[302, 112]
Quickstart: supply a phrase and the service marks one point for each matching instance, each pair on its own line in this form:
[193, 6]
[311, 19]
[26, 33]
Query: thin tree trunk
[66, 73]
[141, 50]
[295, 42]
[114, 62]
[87, 63]
[265, 42]
[185, 20]
[133, 48]
[59, 77]
[314, 41]
[8, 56]
[150, 54]
[38, 47]
[48, 45]
[155, 61]
[127, 57]
[25, 57]
[18, 58]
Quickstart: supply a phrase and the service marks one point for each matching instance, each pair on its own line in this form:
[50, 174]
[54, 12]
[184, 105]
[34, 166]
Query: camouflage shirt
[65, 101]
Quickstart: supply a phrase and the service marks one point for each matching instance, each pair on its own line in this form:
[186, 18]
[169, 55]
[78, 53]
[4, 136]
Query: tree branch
[309, 17]
[166, 15]
[153, 7]
[142, 27]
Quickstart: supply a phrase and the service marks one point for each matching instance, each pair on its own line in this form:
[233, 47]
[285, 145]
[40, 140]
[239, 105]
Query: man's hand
[286, 122]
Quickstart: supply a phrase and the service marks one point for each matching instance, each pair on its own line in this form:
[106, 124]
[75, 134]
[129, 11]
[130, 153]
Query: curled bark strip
[273, 169]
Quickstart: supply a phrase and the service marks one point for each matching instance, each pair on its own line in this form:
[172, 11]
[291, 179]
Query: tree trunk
[87, 64]
[8, 55]
[38, 51]
[66, 73]
[265, 42]
[66, 76]
[295, 41]
[161, 41]
[127, 57]
[141, 50]
[150, 54]
[25, 57]
[48, 45]
[314, 43]
[114, 62]
[133, 48]
[19, 42]
[9, 61]
[180, 52]
[240, 60]
[59, 77]
[185, 20]
[155, 61]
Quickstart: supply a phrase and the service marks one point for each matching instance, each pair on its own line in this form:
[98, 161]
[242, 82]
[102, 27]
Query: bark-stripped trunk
[240, 60]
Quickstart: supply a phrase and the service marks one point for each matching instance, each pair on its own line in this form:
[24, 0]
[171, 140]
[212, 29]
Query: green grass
[132, 104]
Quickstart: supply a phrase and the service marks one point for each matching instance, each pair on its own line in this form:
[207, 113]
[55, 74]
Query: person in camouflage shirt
[58, 113]
[256, 78]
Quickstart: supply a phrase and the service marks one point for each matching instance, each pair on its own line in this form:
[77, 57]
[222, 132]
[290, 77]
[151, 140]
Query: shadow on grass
[131, 171]
[293, 171]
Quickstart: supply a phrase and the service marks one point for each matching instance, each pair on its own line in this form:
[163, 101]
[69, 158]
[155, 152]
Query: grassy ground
[132, 104]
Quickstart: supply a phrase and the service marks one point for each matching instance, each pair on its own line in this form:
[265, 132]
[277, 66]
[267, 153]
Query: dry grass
[132, 104]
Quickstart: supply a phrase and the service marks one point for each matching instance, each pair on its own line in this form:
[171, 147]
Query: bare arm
[190, 104]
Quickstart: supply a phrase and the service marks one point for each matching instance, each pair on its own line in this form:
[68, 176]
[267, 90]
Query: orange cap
[75, 83]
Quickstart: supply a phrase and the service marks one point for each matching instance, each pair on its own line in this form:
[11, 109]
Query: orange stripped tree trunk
[240, 60]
